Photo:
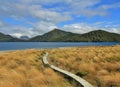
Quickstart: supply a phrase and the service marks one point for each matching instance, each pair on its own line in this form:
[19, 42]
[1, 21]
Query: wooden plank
[83, 82]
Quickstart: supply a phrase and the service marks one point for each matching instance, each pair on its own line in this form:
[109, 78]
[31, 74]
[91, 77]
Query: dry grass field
[25, 69]
[98, 65]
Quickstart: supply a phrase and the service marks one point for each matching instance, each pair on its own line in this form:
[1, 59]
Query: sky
[36, 17]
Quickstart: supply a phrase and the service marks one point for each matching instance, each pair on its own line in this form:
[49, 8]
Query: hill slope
[8, 38]
[101, 35]
[54, 35]
[57, 35]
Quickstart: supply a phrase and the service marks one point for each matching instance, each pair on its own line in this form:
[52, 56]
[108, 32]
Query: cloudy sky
[36, 17]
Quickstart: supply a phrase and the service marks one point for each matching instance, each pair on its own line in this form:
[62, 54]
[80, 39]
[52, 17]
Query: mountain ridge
[8, 38]
[57, 35]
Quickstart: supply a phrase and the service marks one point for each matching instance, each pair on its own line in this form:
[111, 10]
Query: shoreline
[84, 61]
[2, 51]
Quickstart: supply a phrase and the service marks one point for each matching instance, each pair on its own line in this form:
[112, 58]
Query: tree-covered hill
[8, 38]
[57, 35]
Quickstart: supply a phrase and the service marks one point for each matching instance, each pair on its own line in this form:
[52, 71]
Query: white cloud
[78, 28]
[1, 24]
[114, 30]
[38, 29]
[18, 35]
[81, 28]
[62, 12]
[43, 27]
[116, 5]
[47, 16]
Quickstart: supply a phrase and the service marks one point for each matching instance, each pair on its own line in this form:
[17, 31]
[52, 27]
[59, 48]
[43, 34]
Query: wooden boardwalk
[83, 82]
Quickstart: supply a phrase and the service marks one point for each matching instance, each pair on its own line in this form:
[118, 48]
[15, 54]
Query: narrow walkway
[83, 82]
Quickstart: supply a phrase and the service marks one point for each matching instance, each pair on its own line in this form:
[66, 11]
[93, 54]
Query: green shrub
[82, 73]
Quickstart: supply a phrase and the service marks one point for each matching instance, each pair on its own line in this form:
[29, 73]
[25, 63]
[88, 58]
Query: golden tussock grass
[99, 65]
[25, 69]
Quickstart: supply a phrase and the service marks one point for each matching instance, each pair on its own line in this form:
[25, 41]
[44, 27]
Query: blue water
[28, 45]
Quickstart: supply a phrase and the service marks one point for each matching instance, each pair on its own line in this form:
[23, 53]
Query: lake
[39, 45]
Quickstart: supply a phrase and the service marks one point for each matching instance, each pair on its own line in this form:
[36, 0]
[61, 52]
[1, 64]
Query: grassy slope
[25, 69]
[98, 65]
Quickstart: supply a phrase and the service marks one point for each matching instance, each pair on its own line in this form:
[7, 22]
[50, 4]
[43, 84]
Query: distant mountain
[24, 38]
[8, 38]
[57, 35]
[54, 35]
[101, 36]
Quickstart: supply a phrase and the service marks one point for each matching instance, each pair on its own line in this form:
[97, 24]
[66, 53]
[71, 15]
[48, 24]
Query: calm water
[28, 45]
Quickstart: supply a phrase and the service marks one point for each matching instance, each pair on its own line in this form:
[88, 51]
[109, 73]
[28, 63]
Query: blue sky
[36, 17]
